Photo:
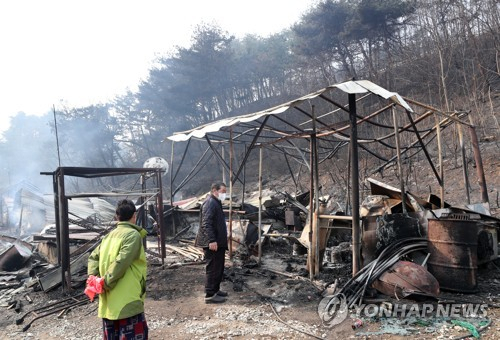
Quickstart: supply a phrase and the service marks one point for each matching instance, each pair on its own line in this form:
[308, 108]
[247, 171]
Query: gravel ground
[284, 308]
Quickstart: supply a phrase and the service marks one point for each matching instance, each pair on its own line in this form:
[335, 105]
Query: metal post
[244, 182]
[144, 208]
[260, 204]
[440, 155]
[161, 222]
[174, 228]
[311, 250]
[400, 166]
[347, 181]
[64, 233]
[55, 187]
[479, 164]
[314, 167]
[464, 162]
[231, 193]
[223, 159]
[356, 233]
[422, 144]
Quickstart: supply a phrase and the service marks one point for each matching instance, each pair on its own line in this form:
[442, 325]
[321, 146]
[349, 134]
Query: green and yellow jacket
[120, 259]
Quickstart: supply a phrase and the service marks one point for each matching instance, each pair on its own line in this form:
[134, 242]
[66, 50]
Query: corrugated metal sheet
[38, 209]
[363, 86]
[351, 87]
[82, 208]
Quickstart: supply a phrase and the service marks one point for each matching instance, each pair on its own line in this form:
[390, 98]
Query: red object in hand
[95, 285]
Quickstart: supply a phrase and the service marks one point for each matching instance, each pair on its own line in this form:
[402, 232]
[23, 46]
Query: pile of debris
[411, 248]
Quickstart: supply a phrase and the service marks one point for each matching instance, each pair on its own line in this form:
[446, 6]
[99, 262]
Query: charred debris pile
[410, 247]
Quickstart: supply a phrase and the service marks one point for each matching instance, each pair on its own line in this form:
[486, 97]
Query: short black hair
[218, 185]
[125, 209]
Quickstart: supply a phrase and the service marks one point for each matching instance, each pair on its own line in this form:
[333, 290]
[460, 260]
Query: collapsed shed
[312, 129]
[61, 202]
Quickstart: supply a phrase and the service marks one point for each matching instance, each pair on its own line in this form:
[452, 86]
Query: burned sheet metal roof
[329, 116]
[350, 87]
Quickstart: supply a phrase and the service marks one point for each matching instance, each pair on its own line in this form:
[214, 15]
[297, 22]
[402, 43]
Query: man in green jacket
[120, 259]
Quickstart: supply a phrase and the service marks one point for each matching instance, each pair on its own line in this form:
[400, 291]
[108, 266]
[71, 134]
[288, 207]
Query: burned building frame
[61, 205]
[313, 128]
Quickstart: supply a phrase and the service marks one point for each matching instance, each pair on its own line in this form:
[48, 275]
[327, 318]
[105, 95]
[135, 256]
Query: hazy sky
[83, 52]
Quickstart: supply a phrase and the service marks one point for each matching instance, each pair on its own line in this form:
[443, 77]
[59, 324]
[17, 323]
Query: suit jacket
[212, 224]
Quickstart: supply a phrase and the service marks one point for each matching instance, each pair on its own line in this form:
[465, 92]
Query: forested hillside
[442, 52]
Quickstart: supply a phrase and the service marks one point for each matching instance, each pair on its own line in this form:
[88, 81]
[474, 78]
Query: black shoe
[221, 293]
[215, 299]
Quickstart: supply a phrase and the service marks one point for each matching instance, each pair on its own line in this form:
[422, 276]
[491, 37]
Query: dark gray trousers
[214, 270]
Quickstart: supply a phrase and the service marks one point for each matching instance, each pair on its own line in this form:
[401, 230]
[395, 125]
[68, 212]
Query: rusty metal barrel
[453, 254]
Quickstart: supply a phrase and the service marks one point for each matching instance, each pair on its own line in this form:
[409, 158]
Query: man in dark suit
[212, 237]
